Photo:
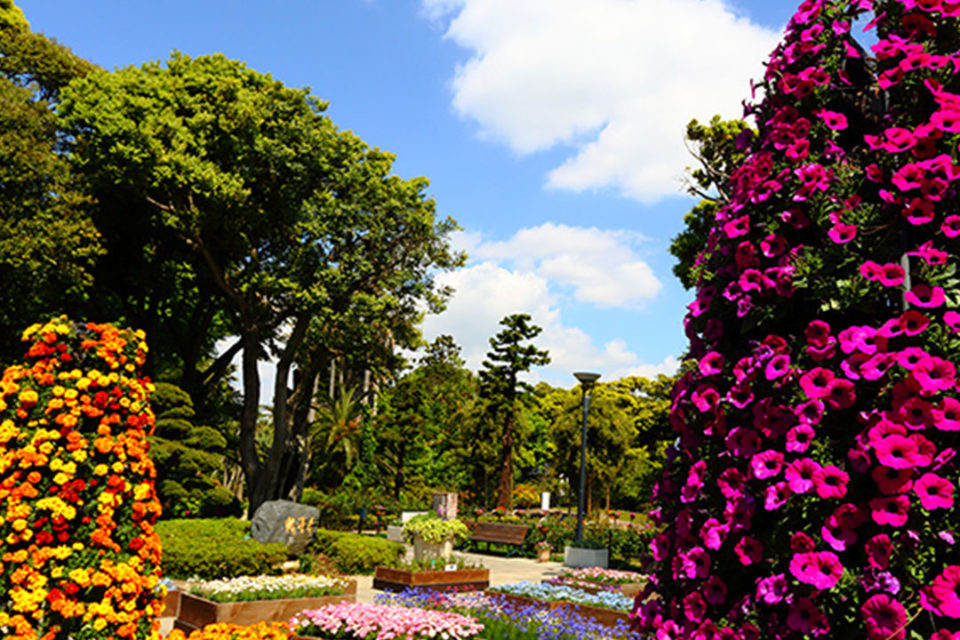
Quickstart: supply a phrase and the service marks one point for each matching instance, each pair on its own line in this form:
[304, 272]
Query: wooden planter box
[196, 612]
[171, 604]
[606, 617]
[390, 579]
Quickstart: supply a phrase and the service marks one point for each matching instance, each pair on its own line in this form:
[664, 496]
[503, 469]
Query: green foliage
[188, 457]
[48, 242]
[297, 231]
[430, 528]
[715, 148]
[422, 425]
[357, 554]
[213, 549]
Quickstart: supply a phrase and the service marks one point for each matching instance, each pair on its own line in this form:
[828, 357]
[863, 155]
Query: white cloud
[529, 273]
[601, 266]
[616, 79]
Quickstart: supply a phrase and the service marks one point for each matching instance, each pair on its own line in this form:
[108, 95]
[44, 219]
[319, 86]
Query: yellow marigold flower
[58, 391]
[78, 546]
[56, 464]
[80, 576]
[117, 467]
[71, 394]
[82, 384]
[79, 455]
[19, 524]
[100, 470]
[99, 624]
[28, 398]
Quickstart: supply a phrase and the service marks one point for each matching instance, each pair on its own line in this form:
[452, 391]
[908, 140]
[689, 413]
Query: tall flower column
[812, 490]
[79, 557]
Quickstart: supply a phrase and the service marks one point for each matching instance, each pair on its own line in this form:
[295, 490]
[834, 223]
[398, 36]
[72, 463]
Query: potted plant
[432, 537]
[543, 551]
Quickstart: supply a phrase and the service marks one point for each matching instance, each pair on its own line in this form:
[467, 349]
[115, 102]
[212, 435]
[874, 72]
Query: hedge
[215, 548]
[354, 553]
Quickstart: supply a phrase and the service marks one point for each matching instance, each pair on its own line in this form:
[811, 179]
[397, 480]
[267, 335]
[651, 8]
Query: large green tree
[501, 388]
[48, 243]
[292, 227]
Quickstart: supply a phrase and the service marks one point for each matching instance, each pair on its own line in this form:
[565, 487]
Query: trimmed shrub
[219, 548]
[354, 553]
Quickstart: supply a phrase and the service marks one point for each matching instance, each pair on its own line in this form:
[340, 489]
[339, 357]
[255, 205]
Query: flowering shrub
[381, 622]
[555, 593]
[812, 489]
[222, 631]
[80, 557]
[249, 588]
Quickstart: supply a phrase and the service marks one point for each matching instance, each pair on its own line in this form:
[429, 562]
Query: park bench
[510, 535]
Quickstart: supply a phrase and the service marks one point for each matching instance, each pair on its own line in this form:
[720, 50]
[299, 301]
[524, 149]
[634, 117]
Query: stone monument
[287, 522]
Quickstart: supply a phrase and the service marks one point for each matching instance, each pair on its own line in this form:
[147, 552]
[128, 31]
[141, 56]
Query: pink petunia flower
[800, 475]
[749, 550]
[772, 589]
[822, 569]
[878, 550]
[776, 495]
[715, 591]
[890, 510]
[799, 438]
[842, 233]
[952, 318]
[810, 412]
[712, 363]
[946, 590]
[946, 415]
[934, 375]
[731, 483]
[913, 323]
[696, 563]
[804, 617]
[951, 226]
[816, 382]
[923, 295]
[884, 617]
[896, 452]
[935, 492]
[766, 464]
[890, 480]
[830, 482]
[694, 606]
[840, 394]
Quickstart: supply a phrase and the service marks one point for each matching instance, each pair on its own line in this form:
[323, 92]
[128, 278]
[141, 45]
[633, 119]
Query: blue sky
[551, 130]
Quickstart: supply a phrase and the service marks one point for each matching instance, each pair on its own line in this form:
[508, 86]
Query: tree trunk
[505, 493]
[248, 419]
[398, 476]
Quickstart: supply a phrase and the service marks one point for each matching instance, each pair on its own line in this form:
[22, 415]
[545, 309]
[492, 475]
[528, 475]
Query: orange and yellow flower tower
[79, 557]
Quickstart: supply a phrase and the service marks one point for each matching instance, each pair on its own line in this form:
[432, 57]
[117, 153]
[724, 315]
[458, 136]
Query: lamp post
[587, 380]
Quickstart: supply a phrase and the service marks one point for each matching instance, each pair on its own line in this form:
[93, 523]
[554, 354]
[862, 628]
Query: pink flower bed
[383, 622]
[812, 490]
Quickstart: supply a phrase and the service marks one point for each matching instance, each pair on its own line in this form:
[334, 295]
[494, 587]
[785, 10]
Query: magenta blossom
[822, 569]
[923, 295]
[766, 464]
[749, 550]
[946, 591]
[885, 618]
[830, 482]
[935, 492]
[772, 589]
[890, 510]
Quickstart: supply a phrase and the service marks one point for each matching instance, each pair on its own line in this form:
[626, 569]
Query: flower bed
[368, 621]
[248, 600]
[595, 580]
[606, 607]
[562, 593]
[518, 618]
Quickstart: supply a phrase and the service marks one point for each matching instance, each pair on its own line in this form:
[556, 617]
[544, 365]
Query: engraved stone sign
[285, 521]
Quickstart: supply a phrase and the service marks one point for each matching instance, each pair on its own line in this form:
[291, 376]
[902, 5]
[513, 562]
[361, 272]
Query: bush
[353, 553]
[212, 549]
